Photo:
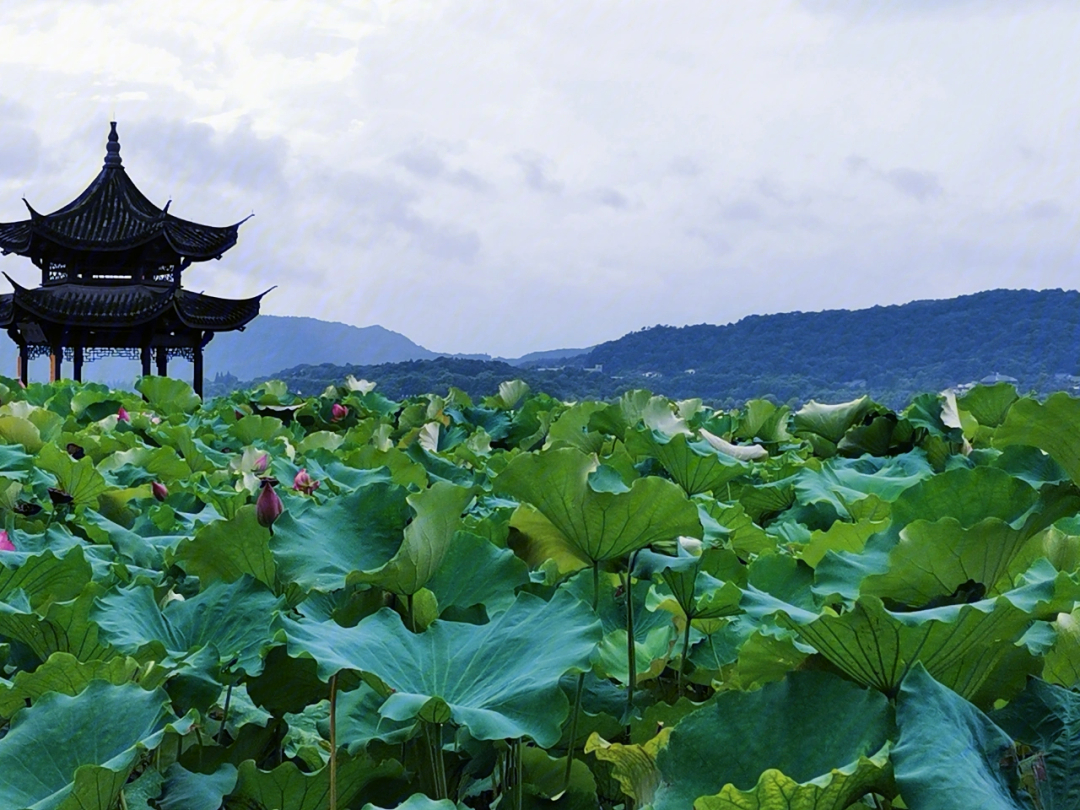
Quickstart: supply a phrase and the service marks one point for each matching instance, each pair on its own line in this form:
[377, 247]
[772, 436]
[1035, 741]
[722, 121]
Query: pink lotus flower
[160, 491]
[5, 544]
[268, 507]
[338, 412]
[305, 483]
[261, 464]
[122, 414]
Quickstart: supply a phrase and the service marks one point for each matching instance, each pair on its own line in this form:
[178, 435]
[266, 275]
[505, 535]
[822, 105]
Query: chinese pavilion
[110, 265]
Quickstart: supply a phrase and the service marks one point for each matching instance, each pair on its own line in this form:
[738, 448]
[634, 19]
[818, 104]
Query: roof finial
[112, 148]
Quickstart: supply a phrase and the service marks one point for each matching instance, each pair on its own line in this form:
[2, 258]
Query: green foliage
[775, 586]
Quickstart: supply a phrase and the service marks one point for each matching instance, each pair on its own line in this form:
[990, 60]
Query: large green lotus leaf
[477, 572]
[141, 465]
[830, 421]
[75, 753]
[989, 404]
[68, 675]
[934, 560]
[184, 790]
[286, 787]
[1046, 718]
[537, 540]
[600, 525]
[232, 618]
[358, 531]
[966, 494]
[1053, 426]
[427, 539]
[16, 430]
[79, 479]
[500, 680]
[840, 537]
[228, 549]
[929, 562]
[949, 755]
[696, 466]
[65, 627]
[252, 429]
[841, 483]
[812, 740]
[168, 395]
[571, 429]
[142, 544]
[959, 644]
[45, 576]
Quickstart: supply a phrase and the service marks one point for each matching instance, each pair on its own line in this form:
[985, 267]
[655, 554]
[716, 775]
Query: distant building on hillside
[111, 263]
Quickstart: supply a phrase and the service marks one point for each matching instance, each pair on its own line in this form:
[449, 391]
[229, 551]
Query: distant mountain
[268, 345]
[889, 352]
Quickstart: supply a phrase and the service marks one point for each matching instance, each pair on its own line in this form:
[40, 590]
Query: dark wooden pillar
[77, 362]
[197, 372]
[145, 356]
[22, 365]
[162, 358]
[56, 363]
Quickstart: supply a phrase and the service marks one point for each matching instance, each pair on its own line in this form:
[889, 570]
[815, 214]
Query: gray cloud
[537, 169]
[922, 186]
[919, 185]
[611, 197]
[426, 163]
[184, 152]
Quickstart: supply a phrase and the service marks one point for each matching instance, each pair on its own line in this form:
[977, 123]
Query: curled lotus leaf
[598, 525]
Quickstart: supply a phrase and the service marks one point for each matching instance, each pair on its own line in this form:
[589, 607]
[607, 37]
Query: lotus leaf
[227, 550]
[231, 618]
[427, 539]
[184, 790]
[1053, 426]
[68, 753]
[599, 525]
[286, 787]
[949, 755]
[500, 680]
[812, 740]
[358, 531]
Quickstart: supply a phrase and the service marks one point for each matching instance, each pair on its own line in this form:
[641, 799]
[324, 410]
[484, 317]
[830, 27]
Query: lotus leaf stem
[685, 652]
[580, 684]
[333, 741]
[224, 715]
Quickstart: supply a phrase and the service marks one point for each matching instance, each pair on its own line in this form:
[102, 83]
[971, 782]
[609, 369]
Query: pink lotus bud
[122, 414]
[338, 412]
[160, 491]
[5, 544]
[268, 507]
[305, 483]
[261, 463]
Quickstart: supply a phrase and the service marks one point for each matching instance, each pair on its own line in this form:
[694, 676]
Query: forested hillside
[889, 352]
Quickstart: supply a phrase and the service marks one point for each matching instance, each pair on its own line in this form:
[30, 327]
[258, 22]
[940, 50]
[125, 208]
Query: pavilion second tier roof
[85, 305]
[113, 215]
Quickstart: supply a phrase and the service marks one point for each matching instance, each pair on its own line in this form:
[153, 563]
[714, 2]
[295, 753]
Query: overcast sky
[526, 175]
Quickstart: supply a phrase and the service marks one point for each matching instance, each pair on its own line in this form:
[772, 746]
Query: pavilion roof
[88, 305]
[113, 215]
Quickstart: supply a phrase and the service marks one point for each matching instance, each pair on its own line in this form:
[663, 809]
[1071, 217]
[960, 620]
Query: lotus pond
[271, 602]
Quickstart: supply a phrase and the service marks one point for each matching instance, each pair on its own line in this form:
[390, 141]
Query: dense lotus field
[267, 601]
